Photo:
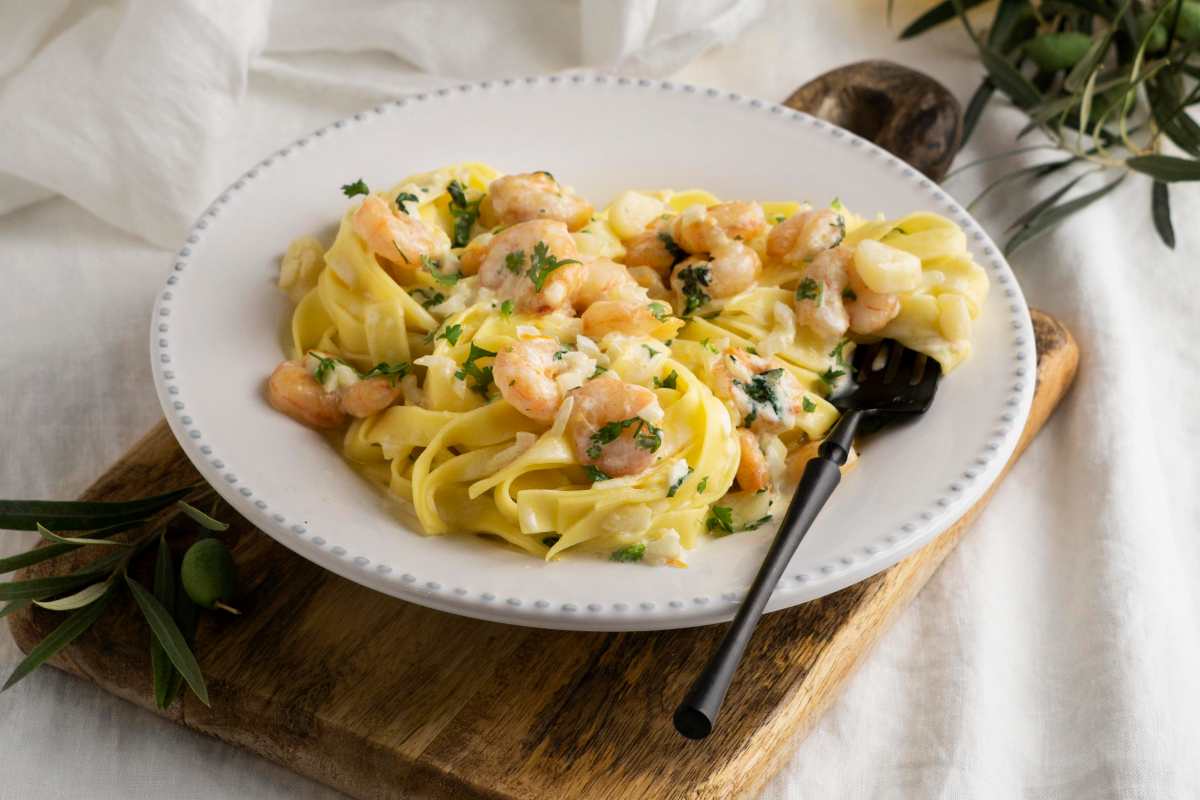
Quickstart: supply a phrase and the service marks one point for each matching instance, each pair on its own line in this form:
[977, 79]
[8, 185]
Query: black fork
[888, 383]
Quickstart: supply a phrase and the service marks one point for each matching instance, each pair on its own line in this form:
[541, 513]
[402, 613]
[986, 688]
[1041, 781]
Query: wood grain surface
[381, 698]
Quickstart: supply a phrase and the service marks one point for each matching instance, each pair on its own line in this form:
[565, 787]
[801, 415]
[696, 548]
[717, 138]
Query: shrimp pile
[603, 348]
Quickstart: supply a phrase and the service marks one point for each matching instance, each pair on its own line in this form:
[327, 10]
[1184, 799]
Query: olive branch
[1107, 83]
[169, 607]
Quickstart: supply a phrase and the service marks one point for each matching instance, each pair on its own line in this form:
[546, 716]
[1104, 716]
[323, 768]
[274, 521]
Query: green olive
[1055, 51]
[1188, 29]
[208, 574]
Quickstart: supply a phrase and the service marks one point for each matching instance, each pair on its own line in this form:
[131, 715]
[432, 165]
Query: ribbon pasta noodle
[509, 361]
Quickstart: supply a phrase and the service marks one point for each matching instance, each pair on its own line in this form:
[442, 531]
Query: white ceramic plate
[219, 327]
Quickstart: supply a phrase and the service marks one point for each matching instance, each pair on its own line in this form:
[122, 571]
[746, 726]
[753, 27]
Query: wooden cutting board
[381, 698]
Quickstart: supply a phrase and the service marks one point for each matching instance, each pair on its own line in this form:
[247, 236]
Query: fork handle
[698, 712]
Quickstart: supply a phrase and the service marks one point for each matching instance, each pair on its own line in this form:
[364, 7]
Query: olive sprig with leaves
[1108, 82]
[169, 607]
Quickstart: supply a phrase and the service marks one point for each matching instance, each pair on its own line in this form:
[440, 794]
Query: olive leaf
[74, 625]
[51, 536]
[1166, 168]
[15, 605]
[167, 632]
[975, 108]
[186, 614]
[164, 591]
[40, 554]
[942, 12]
[1054, 215]
[1037, 208]
[204, 520]
[73, 515]
[1160, 209]
[85, 596]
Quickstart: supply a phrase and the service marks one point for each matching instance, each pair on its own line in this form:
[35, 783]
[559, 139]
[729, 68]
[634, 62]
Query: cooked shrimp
[534, 195]
[732, 268]
[868, 311]
[605, 279]
[819, 302]
[512, 264]
[739, 219]
[632, 318]
[803, 235]
[696, 230]
[474, 253]
[651, 281]
[399, 238]
[752, 472]
[611, 426]
[652, 249]
[293, 390]
[525, 374]
[370, 396]
[766, 396]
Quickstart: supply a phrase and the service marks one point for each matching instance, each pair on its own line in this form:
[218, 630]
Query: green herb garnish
[325, 367]
[720, 520]
[506, 308]
[482, 377]
[763, 390]
[429, 297]
[358, 187]
[668, 382]
[830, 375]
[695, 279]
[514, 262]
[652, 352]
[393, 372]
[543, 263]
[406, 197]
[450, 333]
[434, 267]
[595, 474]
[645, 435]
[463, 212]
[674, 487]
[660, 311]
[633, 552]
[809, 405]
[810, 290]
[676, 252]
[702, 485]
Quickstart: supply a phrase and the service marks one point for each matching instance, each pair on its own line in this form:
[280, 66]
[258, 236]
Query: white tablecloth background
[1055, 654]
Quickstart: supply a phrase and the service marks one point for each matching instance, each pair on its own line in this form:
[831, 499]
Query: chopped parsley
[780, 218]
[482, 377]
[809, 405]
[542, 264]
[650, 350]
[434, 267]
[406, 197]
[660, 311]
[836, 353]
[546, 173]
[393, 372]
[645, 435]
[830, 375]
[841, 226]
[674, 487]
[599, 371]
[506, 308]
[702, 485]
[836, 204]
[514, 262]
[695, 279]
[668, 382]
[849, 294]
[560, 352]
[720, 520]
[358, 187]
[763, 390]
[676, 252]
[429, 297]
[595, 474]
[463, 212]
[633, 552]
[450, 333]
[325, 367]
[709, 346]
[810, 290]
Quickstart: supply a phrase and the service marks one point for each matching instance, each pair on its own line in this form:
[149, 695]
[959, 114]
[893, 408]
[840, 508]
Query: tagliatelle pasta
[513, 363]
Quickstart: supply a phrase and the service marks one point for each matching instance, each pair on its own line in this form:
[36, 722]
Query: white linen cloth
[1054, 655]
